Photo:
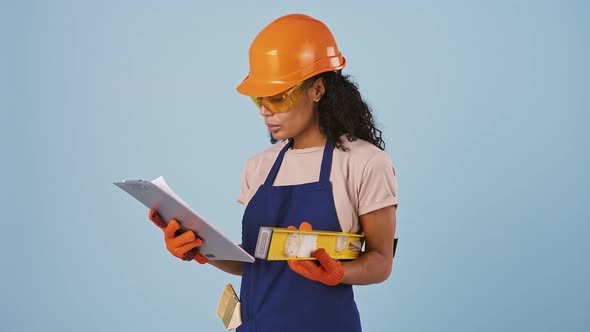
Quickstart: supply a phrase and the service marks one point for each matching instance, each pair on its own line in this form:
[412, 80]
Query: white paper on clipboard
[159, 196]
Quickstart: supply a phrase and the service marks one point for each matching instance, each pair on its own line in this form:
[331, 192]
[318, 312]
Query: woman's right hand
[184, 245]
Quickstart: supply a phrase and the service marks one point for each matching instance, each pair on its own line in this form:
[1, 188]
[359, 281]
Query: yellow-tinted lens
[257, 101]
[284, 101]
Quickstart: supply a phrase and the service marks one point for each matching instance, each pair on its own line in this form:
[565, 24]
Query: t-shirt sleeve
[244, 187]
[378, 187]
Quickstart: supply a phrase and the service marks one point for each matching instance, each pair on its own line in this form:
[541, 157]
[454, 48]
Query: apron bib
[275, 298]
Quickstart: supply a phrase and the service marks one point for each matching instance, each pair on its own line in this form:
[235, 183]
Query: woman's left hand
[329, 271]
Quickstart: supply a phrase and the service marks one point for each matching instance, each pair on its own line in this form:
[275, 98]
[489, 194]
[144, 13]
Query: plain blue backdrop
[484, 109]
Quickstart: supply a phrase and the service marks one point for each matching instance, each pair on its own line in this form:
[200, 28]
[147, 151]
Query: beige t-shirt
[363, 178]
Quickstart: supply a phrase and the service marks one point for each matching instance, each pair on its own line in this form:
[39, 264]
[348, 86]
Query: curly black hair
[344, 112]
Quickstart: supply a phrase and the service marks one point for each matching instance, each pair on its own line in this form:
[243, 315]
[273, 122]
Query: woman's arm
[375, 264]
[232, 267]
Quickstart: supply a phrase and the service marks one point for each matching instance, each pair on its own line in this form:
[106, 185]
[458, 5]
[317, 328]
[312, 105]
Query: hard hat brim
[263, 88]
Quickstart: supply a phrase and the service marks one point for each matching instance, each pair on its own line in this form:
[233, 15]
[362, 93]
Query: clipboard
[159, 196]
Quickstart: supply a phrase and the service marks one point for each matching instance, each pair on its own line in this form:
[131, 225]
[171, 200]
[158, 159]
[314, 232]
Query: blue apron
[274, 298]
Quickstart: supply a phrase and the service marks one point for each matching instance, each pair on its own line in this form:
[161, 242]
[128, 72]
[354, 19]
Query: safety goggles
[283, 102]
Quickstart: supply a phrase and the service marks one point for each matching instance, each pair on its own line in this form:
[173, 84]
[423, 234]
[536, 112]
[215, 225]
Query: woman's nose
[265, 111]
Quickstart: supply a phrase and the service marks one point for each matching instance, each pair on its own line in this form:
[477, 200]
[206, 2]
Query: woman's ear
[318, 89]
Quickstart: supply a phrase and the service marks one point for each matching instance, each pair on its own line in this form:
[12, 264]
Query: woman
[328, 173]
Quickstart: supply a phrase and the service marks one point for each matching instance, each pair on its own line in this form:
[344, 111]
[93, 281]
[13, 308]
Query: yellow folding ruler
[291, 244]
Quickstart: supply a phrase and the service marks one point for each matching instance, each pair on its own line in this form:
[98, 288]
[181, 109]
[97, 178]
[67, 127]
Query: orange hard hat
[288, 51]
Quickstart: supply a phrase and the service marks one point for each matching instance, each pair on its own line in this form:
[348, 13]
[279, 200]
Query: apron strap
[326, 163]
[270, 179]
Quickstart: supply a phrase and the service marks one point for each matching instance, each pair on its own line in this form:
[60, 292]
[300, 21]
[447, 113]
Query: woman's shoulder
[359, 149]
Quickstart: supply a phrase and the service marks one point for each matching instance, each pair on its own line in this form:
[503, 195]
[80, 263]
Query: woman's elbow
[384, 272]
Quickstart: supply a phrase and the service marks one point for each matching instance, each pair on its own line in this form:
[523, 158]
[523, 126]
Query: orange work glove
[184, 245]
[329, 271]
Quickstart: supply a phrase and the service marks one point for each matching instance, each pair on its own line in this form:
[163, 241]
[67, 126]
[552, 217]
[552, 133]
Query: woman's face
[301, 121]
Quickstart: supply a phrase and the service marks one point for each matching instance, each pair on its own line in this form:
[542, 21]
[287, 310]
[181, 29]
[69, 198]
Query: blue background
[484, 108]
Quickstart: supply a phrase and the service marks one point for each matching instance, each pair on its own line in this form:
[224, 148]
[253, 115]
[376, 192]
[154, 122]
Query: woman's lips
[272, 128]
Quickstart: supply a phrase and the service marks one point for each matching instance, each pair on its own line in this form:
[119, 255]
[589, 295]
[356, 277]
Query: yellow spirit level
[291, 244]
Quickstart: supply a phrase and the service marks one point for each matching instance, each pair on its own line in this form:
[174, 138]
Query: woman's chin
[279, 136]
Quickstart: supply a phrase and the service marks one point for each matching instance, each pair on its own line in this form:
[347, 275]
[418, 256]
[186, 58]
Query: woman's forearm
[375, 264]
[370, 268]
